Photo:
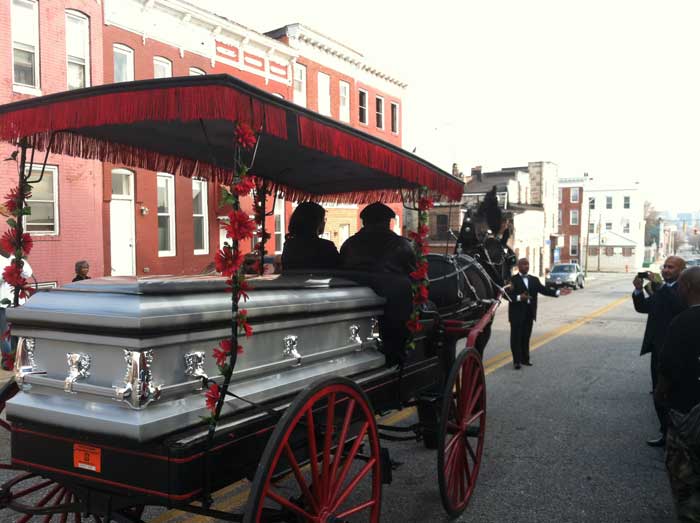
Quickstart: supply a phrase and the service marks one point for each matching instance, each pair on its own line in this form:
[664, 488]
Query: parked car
[566, 275]
[694, 262]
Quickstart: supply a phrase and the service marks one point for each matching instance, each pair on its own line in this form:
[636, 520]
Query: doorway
[121, 224]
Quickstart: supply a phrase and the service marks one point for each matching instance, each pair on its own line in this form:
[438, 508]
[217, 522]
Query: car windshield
[564, 268]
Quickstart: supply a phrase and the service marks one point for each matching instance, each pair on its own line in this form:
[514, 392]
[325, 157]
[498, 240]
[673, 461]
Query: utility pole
[600, 233]
[588, 234]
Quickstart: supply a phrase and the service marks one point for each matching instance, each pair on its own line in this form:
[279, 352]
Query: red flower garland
[420, 275]
[229, 262]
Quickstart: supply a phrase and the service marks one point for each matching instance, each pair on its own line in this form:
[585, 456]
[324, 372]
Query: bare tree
[651, 224]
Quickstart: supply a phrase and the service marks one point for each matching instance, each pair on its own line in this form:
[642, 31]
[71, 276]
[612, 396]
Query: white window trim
[129, 53]
[359, 107]
[343, 110]
[577, 192]
[382, 112]
[572, 213]
[297, 96]
[53, 169]
[196, 71]
[572, 245]
[23, 88]
[205, 214]
[130, 173]
[398, 118]
[279, 211]
[77, 14]
[165, 62]
[326, 110]
[171, 215]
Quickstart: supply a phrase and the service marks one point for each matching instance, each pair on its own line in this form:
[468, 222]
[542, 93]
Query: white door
[343, 233]
[121, 223]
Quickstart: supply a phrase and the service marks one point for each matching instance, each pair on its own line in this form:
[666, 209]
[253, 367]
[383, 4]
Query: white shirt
[525, 281]
[7, 290]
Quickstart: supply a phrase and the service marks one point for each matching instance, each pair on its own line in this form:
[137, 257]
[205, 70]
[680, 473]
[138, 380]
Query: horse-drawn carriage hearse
[117, 401]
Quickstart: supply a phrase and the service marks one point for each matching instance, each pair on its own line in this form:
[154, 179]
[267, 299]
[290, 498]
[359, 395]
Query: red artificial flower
[425, 249]
[423, 230]
[222, 352]
[424, 204]
[243, 322]
[11, 199]
[239, 226]
[245, 137]
[414, 326]
[7, 335]
[247, 329]
[421, 272]
[212, 396]
[244, 187]
[12, 275]
[9, 242]
[421, 294]
[8, 360]
[228, 261]
[243, 289]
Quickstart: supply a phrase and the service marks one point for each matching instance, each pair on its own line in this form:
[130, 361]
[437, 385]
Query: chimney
[476, 171]
[455, 170]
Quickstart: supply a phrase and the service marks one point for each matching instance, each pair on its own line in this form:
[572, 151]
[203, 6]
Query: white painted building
[615, 228]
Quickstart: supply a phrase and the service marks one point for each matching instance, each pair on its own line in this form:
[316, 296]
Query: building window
[394, 118]
[324, 94]
[561, 192]
[573, 217]
[25, 43]
[300, 84]
[196, 71]
[591, 203]
[279, 225]
[573, 246]
[200, 213]
[608, 226]
[627, 251]
[559, 220]
[591, 228]
[626, 228]
[344, 102]
[77, 49]
[362, 106]
[627, 202]
[123, 63]
[166, 214]
[162, 67]
[44, 202]
[609, 251]
[574, 194]
[593, 251]
[608, 202]
[441, 226]
[379, 103]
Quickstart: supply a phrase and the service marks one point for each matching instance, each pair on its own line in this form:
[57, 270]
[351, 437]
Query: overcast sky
[608, 87]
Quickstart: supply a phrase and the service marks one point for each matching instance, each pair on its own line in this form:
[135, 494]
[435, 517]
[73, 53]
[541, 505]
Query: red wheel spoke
[66, 499]
[300, 477]
[469, 470]
[313, 452]
[326, 480]
[452, 428]
[458, 392]
[356, 509]
[78, 518]
[31, 489]
[475, 417]
[471, 451]
[474, 399]
[353, 484]
[288, 504]
[348, 461]
[341, 440]
[48, 496]
[25, 519]
[452, 442]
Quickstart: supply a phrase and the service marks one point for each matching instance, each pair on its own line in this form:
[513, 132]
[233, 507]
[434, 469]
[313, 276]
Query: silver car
[566, 275]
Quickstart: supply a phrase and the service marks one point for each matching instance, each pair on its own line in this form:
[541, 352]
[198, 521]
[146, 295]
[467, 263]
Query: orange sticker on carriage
[87, 458]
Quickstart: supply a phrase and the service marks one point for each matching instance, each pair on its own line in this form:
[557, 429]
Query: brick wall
[80, 234]
[567, 229]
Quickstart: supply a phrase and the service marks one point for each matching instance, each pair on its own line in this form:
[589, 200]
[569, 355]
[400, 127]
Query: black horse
[463, 285]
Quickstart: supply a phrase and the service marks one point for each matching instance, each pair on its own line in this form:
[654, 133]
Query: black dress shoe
[517, 366]
[528, 363]
[658, 442]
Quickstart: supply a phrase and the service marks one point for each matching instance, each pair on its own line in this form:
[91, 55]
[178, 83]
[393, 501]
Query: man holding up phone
[661, 307]
[522, 310]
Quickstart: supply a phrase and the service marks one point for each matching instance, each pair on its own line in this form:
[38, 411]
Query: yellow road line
[490, 366]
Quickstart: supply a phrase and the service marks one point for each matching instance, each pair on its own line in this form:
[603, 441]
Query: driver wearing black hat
[375, 247]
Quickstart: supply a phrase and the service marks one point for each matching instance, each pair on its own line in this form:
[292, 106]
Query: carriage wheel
[461, 432]
[32, 491]
[322, 462]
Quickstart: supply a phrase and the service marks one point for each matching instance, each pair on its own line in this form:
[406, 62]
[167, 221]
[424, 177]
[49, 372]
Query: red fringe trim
[340, 144]
[211, 102]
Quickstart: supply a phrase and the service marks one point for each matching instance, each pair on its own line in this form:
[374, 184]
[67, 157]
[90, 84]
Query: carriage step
[428, 405]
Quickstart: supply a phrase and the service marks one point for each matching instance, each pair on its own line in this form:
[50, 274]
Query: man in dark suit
[522, 310]
[661, 307]
[678, 388]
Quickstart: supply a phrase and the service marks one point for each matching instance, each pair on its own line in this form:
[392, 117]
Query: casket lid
[153, 306]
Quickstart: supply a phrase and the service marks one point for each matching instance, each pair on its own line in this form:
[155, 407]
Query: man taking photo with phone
[661, 307]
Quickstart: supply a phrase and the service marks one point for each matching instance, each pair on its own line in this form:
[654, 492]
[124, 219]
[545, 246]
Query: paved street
[565, 438]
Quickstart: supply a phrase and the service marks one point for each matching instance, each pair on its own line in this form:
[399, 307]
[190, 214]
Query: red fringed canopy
[186, 126]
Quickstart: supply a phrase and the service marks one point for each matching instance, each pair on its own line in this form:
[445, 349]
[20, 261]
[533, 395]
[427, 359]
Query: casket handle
[78, 369]
[290, 349]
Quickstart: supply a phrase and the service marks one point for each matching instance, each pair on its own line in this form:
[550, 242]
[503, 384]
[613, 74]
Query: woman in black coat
[303, 249]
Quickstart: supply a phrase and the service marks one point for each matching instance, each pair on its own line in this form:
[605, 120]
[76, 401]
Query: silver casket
[124, 356]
